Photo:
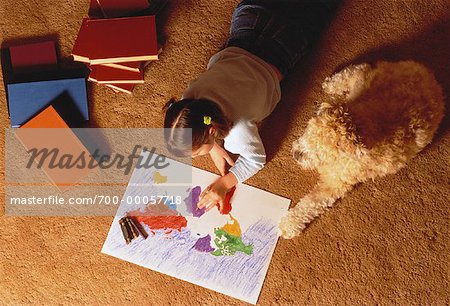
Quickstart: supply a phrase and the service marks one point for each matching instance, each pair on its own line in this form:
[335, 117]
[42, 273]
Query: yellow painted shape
[232, 227]
[158, 178]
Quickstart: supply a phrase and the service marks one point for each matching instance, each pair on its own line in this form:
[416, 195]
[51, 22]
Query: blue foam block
[26, 99]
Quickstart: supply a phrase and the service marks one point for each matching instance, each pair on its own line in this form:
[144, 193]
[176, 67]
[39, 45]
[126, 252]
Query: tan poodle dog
[373, 121]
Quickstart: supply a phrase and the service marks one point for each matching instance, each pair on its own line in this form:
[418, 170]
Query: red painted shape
[167, 223]
[226, 202]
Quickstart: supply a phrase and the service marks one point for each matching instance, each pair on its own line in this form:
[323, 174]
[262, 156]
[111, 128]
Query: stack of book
[52, 104]
[28, 95]
[115, 46]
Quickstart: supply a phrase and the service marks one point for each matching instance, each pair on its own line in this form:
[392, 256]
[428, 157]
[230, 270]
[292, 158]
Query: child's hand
[213, 194]
[220, 158]
[216, 192]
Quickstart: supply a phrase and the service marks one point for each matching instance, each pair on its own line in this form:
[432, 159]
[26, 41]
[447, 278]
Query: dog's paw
[290, 225]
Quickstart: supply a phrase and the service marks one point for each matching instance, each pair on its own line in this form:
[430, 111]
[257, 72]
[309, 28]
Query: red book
[95, 11]
[130, 66]
[104, 74]
[116, 40]
[117, 8]
[126, 88]
[35, 55]
[82, 45]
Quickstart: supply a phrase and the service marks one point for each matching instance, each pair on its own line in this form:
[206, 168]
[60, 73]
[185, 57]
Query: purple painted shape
[191, 202]
[204, 244]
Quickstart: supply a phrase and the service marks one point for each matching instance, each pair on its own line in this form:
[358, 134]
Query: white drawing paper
[228, 253]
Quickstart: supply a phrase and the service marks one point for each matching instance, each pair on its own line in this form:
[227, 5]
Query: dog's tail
[320, 199]
[311, 206]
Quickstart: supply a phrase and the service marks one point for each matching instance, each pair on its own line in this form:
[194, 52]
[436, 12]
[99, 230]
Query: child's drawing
[228, 252]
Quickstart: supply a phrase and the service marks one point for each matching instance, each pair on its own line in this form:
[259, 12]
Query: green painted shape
[228, 244]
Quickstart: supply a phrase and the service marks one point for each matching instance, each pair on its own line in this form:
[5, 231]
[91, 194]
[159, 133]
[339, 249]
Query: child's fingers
[202, 195]
[211, 206]
[207, 205]
[204, 192]
[205, 200]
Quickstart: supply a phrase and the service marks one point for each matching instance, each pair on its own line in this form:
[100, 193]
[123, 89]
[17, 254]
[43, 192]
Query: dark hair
[189, 114]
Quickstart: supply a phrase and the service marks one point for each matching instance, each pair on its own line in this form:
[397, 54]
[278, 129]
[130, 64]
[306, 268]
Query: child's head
[206, 120]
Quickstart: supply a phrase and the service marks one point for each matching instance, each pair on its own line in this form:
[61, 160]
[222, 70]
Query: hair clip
[207, 120]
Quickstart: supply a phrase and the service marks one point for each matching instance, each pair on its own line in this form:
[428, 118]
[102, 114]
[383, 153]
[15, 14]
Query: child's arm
[244, 140]
[220, 158]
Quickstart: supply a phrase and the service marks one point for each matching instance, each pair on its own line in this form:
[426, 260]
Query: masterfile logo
[88, 165]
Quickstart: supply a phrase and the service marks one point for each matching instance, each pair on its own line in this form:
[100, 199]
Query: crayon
[139, 227]
[131, 233]
[134, 230]
[124, 229]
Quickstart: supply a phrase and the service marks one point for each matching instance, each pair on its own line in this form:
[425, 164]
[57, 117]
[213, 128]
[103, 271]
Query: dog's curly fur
[373, 122]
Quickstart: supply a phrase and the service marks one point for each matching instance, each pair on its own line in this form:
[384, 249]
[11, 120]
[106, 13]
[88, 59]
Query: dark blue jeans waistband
[279, 31]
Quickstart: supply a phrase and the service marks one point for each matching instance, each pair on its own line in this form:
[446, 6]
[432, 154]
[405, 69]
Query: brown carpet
[386, 243]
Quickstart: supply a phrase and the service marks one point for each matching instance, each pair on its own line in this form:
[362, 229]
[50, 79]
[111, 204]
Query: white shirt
[247, 89]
